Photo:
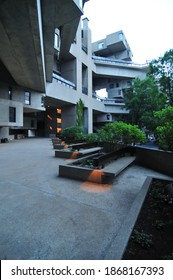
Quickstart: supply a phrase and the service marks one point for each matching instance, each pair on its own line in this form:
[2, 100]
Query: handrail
[108, 100]
[118, 61]
[63, 81]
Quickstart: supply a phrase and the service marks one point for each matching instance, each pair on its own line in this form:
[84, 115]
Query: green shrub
[143, 239]
[164, 130]
[92, 137]
[121, 133]
[73, 133]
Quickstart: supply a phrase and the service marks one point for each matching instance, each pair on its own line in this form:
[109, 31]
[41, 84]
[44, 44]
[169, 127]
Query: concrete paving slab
[43, 216]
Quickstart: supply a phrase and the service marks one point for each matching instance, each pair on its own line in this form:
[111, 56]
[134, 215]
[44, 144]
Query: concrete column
[4, 132]
[68, 116]
[90, 120]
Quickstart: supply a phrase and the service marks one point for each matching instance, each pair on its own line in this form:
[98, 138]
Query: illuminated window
[58, 111]
[59, 130]
[59, 120]
[49, 117]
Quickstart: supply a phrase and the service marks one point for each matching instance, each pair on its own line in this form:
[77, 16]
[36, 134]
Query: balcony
[63, 81]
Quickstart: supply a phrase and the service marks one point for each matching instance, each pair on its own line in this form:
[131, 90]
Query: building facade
[48, 63]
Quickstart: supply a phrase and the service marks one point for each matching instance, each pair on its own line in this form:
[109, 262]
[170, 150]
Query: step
[118, 165]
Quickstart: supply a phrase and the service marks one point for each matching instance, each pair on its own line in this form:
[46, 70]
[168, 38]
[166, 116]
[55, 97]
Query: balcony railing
[118, 62]
[108, 100]
[63, 81]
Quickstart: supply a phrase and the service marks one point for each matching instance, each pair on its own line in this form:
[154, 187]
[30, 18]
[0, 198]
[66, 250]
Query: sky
[147, 24]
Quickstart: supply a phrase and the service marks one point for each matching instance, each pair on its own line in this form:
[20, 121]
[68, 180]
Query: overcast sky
[147, 24]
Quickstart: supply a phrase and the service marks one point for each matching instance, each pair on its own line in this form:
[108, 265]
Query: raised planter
[77, 170]
[67, 153]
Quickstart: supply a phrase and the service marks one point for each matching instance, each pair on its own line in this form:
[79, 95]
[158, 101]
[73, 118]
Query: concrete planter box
[76, 154]
[100, 176]
[85, 174]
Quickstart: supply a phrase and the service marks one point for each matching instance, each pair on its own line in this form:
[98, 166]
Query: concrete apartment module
[48, 63]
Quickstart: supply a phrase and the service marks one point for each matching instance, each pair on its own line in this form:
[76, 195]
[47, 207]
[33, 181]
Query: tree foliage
[121, 133]
[164, 130]
[142, 99]
[79, 109]
[72, 132]
[161, 70]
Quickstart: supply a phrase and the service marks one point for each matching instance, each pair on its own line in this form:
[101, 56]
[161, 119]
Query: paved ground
[43, 216]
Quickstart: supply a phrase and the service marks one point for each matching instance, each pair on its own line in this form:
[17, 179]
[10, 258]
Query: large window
[12, 114]
[100, 45]
[27, 98]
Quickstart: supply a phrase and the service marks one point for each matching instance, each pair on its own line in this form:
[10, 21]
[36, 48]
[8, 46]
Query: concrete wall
[4, 113]
[158, 160]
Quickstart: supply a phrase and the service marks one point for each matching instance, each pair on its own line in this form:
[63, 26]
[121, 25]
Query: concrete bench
[100, 176]
[76, 154]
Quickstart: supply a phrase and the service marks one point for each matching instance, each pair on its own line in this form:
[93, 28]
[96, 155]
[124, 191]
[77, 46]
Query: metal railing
[108, 100]
[63, 81]
[118, 62]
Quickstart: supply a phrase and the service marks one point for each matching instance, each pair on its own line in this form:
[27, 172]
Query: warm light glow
[58, 111]
[74, 155]
[95, 187]
[58, 120]
[96, 176]
[59, 130]
[49, 117]
[50, 127]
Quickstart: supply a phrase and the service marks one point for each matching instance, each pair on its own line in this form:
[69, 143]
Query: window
[27, 98]
[12, 114]
[120, 36]
[56, 41]
[111, 86]
[117, 85]
[42, 101]
[32, 123]
[100, 45]
[10, 93]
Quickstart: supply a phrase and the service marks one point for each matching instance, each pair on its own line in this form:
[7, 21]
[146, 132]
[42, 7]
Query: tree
[161, 70]
[121, 133]
[79, 109]
[164, 130]
[142, 99]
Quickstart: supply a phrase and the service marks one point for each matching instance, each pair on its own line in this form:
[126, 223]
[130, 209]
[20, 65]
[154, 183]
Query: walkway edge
[119, 243]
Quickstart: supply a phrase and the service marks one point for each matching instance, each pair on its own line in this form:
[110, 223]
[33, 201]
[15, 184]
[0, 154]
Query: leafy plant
[161, 69]
[143, 239]
[159, 224]
[168, 257]
[79, 108]
[92, 137]
[142, 99]
[164, 130]
[121, 133]
[73, 132]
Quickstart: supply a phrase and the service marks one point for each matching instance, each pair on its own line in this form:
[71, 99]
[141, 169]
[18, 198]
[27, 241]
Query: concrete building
[48, 63]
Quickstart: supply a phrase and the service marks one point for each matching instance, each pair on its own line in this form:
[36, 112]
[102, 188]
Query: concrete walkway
[43, 216]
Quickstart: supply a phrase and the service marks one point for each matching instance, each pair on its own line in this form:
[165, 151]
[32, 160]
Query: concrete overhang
[20, 45]
[64, 15]
[27, 30]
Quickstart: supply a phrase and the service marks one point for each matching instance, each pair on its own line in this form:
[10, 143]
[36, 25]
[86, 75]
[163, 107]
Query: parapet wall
[161, 161]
